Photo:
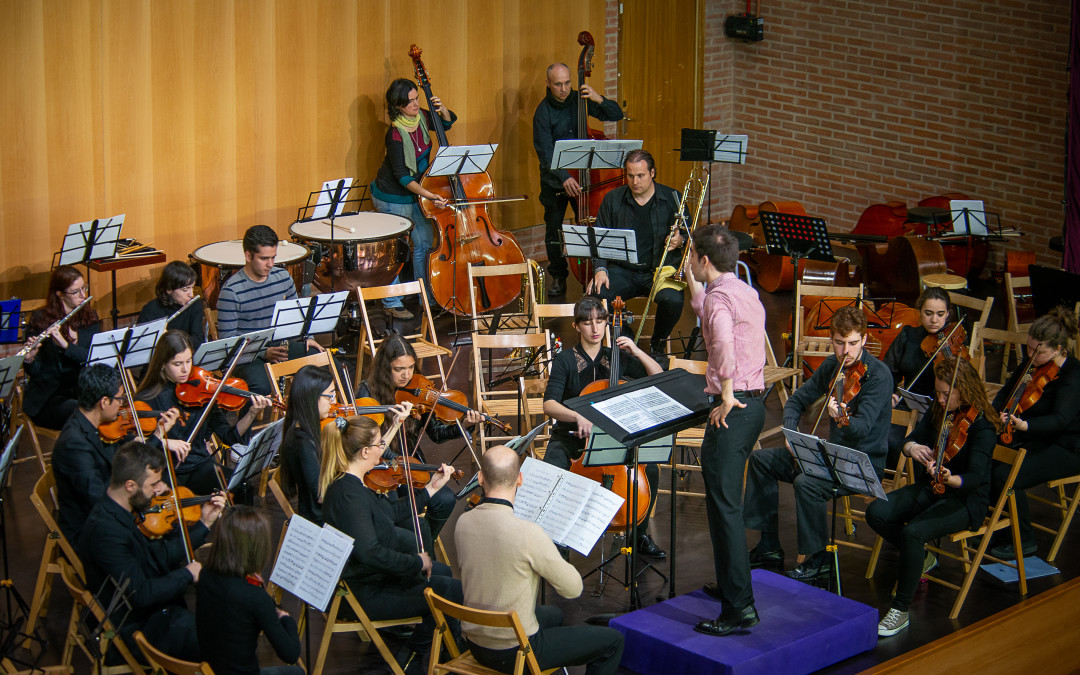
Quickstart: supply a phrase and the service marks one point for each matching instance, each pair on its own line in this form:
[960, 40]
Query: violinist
[81, 459]
[170, 365]
[53, 363]
[555, 119]
[175, 289]
[868, 414]
[648, 209]
[386, 570]
[310, 397]
[158, 571]
[916, 513]
[393, 367]
[1042, 411]
[396, 188]
[571, 371]
[232, 606]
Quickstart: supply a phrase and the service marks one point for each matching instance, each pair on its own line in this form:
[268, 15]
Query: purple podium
[802, 629]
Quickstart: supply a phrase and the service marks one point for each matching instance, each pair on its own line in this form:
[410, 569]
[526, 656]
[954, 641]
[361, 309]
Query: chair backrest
[480, 342]
[695, 367]
[441, 608]
[1013, 294]
[160, 661]
[981, 306]
[817, 291]
[980, 334]
[427, 325]
[42, 497]
[1014, 458]
[276, 371]
[274, 483]
[523, 270]
[543, 311]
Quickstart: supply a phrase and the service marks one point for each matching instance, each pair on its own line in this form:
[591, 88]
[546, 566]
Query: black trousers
[910, 517]
[723, 457]
[387, 601]
[629, 283]
[598, 648]
[554, 213]
[1040, 466]
[562, 452]
[55, 413]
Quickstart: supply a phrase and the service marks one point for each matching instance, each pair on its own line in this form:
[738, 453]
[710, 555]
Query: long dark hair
[381, 382]
[302, 412]
[397, 96]
[61, 279]
[970, 386]
[176, 274]
[169, 345]
[241, 543]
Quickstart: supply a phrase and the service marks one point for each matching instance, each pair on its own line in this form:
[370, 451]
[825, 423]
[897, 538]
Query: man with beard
[157, 571]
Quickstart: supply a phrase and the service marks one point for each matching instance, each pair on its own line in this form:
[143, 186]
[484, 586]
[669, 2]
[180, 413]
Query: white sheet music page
[642, 409]
[573, 510]
[539, 480]
[310, 561]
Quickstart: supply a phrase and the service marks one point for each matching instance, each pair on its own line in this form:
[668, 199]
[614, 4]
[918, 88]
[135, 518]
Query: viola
[160, 517]
[951, 439]
[201, 385]
[847, 386]
[946, 343]
[616, 478]
[388, 476]
[450, 405]
[466, 234]
[1024, 396]
[111, 432]
[364, 407]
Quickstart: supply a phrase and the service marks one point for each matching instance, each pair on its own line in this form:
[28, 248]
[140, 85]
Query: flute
[181, 310]
[32, 342]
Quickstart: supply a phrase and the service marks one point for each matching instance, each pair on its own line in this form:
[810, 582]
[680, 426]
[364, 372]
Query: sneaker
[929, 562]
[556, 287]
[1007, 552]
[894, 622]
[399, 313]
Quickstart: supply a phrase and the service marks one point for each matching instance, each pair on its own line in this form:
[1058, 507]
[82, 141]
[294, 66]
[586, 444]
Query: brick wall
[851, 103]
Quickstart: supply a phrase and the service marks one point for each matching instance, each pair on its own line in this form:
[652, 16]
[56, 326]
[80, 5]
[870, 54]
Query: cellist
[915, 514]
[571, 370]
[1045, 420]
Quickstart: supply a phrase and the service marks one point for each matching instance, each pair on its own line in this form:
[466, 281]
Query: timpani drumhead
[231, 253]
[363, 226]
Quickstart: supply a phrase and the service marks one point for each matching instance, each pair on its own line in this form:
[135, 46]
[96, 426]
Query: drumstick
[340, 227]
[130, 250]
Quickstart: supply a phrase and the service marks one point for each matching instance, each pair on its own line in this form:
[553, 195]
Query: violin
[846, 387]
[160, 517]
[951, 438]
[1024, 396]
[946, 343]
[466, 234]
[364, 407]
[388, 476]
[124, 424]
[201, 385]
[616, 478]
[450, 405]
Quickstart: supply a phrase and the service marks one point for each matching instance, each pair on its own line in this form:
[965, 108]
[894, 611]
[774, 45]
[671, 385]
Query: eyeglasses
[77, 292]
[330, 397]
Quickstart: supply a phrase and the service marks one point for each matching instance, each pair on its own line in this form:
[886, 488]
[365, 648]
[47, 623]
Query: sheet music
[329, 188]
[642, 409]
[310, 561]
[540, 480]
[917, 402]
[573, 510]
[595, 516]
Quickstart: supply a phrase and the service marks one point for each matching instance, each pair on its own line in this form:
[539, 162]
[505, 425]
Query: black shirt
[905, 359]
[1054, 418]
[192, 320]
[217, 422]
[555, 121]
[300, 459]
[620, 210]
[54, 372]
[572, 370]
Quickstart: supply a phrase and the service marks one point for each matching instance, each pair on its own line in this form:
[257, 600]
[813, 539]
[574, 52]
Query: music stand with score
[93, 240]
[710, 146]
[330, 203]
[129, 347]
[257, 455]
[583, 241]
[10, 310]
[213, 355]
[303, 317]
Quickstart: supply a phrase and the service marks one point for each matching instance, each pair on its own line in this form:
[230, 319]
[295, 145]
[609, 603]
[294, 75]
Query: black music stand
[688, 392]
[213, 355]
[841, 467]
[303, 317]
[13, 623]
[92, 240]
[116, 610]
[131, 346]
[706, 145]
[258, 455]
[1051, 287]
[587, 154]
[797, 237]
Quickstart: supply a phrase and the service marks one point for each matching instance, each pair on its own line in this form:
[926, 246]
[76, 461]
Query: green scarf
[405, 126]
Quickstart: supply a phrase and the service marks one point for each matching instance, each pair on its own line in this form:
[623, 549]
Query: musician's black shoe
[760, 558]
[726, 623]
[1007, 552]
[816, 567]
[712, 590]
[646, 546]
[557, 287]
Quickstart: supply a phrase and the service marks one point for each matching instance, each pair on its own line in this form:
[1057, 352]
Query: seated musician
[648, 208]
[310, 397]
[52, 366]
[507, 577]
[170, 365]
[246, 304]
[231, 605]
[174, 289]
[385, 571]
[571, 371]
[868, 413]
[906, 358]
[396, 188]
[1046, 422]
[392, 367]
[81, 458]
[158, 571]
[914, 514]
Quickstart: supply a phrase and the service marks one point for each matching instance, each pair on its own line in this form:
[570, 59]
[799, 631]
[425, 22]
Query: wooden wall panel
[200, 118]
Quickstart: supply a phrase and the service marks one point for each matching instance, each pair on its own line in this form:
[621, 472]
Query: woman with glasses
[175, 288]
[54, 362]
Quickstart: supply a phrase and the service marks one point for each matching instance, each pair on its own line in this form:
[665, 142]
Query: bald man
[555, 119]
[507, 576]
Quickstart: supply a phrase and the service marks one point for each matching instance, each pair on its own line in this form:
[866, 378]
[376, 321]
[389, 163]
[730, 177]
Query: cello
[594, 183]
[466, 235]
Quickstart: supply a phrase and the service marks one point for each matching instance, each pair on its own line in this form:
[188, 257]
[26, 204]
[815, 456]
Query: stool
[950, 282]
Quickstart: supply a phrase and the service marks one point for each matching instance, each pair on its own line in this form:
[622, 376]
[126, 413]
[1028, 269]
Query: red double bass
[466, 235]
[595, 183]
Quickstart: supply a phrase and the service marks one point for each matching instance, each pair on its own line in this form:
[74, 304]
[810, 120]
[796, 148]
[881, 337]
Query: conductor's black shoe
[725, 623]
[558, 287]
[760, 558]
[817, 566]
[646, 546]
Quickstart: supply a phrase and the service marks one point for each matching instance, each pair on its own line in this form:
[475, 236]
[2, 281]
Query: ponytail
[341, 440]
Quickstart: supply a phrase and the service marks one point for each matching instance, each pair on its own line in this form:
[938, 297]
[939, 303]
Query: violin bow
[941, 345]
[241, 346]
[939, 457]
[1013, 402]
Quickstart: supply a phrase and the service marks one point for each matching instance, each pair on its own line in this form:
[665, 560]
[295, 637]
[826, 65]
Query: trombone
[694, 195]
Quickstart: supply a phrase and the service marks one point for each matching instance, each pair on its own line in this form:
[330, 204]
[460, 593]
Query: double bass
[466, 235]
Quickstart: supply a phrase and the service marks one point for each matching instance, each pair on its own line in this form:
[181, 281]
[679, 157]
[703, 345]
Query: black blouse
[1054, 418]
[905, 359]
[217, 423]
[572, 370]
[54, 372]
[192, 320]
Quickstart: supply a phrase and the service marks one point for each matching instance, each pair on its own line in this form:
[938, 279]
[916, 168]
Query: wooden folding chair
[1065, 504]
[362, 626]
[160, 662]
[107, 637]
[506, 403]
[464, 663]
[426, 342]
[853, 294]
[9, 668]
[981, 306]
[56, 548]
[519, 321]
[277, 372]
[35, 432]
[1013, 341]
[542, 311]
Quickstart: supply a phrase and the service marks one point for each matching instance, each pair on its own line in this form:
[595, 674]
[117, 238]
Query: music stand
[919, 403]
[518, 444]
[131, 346]
[9, 369]
[90, 628]
[17, 609]
[257, 455]
[9, 319]
[841, 467]
[304, 317]
[583, 241]
[212, 355]
[588, 154]
[677, 399]
[707, 145]
[1051, 287]
[92, 240]
[330, 203]
[797, 237]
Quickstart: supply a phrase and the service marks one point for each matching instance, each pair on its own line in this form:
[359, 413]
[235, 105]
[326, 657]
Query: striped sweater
[245, 305]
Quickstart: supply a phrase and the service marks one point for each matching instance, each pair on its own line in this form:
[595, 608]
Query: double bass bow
[465, 233]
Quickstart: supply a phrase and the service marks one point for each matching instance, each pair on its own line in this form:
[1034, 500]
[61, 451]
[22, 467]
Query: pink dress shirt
[733, 325]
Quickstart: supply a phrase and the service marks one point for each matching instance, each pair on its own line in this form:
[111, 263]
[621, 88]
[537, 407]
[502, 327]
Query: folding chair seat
[160, 662]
